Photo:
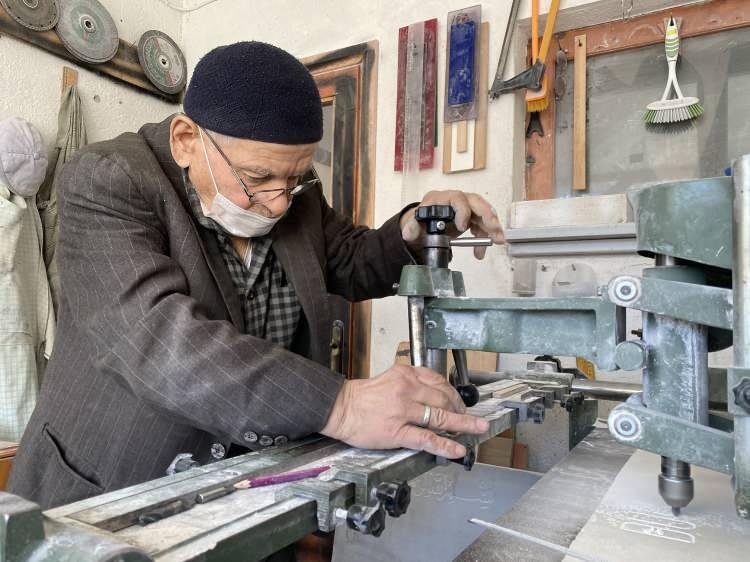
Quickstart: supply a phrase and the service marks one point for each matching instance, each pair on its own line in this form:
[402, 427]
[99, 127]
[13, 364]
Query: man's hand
[472, 212]
[385, 412]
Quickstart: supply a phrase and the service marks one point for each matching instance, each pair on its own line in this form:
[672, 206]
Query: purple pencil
[280, 478]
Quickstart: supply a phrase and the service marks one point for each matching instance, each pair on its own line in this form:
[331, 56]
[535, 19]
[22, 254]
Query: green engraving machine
[694, 300]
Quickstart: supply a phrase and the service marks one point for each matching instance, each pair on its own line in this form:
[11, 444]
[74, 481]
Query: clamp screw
[395, 497]
[626, 290]
[625, 425]
[366, 520]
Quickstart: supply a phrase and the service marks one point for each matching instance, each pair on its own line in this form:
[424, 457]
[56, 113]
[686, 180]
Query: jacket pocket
[82, 484]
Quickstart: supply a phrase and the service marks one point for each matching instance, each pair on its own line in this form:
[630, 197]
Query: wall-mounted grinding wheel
[87, 30]
[39, 15]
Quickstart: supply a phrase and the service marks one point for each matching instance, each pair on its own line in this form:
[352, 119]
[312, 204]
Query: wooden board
[511, 389]
[540, 150]
[520, 456]
[497, 451]
[69, 78]
[579, 115]
[7, 455]
[124, 67]
[648, 29]
[480, 126]
[462, 142]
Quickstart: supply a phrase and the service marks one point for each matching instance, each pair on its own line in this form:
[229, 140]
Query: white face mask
[233, 218]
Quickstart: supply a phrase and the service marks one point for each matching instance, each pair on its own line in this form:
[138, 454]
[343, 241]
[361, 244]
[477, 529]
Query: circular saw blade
[39, 15]
[87, 30]
[162, 61]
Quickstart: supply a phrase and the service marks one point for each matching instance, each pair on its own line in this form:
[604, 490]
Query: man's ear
[183, 140]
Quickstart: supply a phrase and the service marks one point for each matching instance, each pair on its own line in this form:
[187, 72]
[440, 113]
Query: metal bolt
[625, 425]
[440, 225]
[430, 324]
[623, 290]
[340, 514]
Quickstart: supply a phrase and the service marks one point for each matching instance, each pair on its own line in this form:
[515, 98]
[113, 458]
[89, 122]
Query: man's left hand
[473, 213]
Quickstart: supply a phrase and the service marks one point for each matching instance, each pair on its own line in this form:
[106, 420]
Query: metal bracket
[692, 302]
[328, 496]
[530, 408]
[589, 327]
[426, 281]
[635, 425]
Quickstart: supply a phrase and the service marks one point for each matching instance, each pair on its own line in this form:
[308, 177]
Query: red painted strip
[429, 102]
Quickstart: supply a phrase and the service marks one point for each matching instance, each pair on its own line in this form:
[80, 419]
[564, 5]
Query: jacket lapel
[158, 138]
[297, 256]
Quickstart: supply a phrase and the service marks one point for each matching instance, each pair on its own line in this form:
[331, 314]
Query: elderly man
[196, 257]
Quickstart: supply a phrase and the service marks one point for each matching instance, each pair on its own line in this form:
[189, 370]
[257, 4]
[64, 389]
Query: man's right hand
[385, 412]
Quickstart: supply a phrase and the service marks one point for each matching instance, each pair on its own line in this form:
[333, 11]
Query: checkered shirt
[269, 304]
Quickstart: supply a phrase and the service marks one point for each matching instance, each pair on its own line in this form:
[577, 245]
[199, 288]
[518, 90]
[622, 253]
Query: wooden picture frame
[347, 78]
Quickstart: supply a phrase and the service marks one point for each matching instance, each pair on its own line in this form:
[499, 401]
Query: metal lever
[470, 242]
[468, 392]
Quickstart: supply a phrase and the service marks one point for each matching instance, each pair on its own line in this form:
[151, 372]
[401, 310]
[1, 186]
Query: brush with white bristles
[668, 110]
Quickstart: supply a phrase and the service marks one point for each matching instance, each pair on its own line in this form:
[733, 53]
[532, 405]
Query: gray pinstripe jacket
[150, 358]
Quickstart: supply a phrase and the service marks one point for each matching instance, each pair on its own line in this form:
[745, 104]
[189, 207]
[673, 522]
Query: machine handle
[470, 242]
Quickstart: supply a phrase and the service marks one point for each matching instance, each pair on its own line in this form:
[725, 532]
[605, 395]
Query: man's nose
[279, 205]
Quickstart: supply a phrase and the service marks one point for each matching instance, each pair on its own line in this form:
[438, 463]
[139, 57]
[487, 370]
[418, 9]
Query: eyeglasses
[265, 195]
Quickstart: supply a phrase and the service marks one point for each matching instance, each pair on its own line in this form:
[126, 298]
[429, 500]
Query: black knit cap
[253, 90]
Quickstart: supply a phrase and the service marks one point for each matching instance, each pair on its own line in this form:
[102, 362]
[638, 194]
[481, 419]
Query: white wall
[30, 78]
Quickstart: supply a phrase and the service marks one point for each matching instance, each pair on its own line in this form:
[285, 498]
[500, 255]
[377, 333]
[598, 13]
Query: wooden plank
[520, 456]
[69, 78]
[497, 451]
[5, 466]
[480, 126]
[7, 455]
[642, 31]
[540, 151]
[447, 147]
[124, 67]
[579, 115]
[510, 390]
[462, 136]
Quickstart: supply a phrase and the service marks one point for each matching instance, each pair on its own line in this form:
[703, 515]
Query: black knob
[366, 520]
[468, 459]
[536, 412]
[469, 394]
[395, 497]
[436, 217]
